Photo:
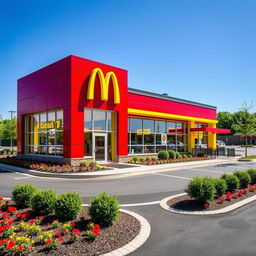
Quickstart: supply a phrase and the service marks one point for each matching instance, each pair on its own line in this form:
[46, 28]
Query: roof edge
[166, 97]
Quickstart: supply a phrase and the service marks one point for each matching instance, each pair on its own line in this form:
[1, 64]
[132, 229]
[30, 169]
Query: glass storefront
[44, 133]
[97, 124]
[151, 136]
[201, 138]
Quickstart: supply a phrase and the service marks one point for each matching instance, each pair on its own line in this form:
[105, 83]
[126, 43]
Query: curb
[227, 209]
[138, 241]
[119, 174]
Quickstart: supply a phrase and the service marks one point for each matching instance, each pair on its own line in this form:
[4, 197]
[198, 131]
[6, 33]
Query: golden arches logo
[104, 85]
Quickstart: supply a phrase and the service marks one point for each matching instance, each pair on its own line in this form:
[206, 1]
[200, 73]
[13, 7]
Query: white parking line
[22, 178]
[171, 176]
[199, 170]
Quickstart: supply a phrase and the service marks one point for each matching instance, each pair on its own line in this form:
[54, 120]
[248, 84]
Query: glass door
[100, 146]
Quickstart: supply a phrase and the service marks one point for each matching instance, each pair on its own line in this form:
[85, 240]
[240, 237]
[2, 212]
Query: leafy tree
[245, 123]
[225, 120]
[8, 129]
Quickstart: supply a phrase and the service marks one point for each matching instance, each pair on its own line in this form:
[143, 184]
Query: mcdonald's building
[76, 109]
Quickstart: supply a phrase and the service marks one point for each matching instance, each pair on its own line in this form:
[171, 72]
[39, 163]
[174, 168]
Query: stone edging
[227, 209]
[137, 242]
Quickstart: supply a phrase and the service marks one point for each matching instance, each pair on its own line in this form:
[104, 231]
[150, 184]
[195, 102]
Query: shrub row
[104, 209]
[171, 154]
[206, 188]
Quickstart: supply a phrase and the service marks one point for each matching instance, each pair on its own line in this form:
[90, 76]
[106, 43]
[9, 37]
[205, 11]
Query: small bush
[68, 206]
[201, 189]
[22, 194]
[220, 186]
[43, 201]
[142, 159]
[135, 159]
[200, 154]
[163, 154]
[172, 154]
[231, 180]
[178, 155]
[104, 209]
[185, 156]
[153, 159]
[147, 158]
[84, 163]
[252, 173]
[244, 178]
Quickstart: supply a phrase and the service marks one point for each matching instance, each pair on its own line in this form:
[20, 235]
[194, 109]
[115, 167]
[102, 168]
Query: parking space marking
[22, 178]
[171, 176]
[200, 170]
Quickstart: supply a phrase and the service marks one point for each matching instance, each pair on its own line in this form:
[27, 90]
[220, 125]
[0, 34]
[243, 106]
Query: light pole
[12, 112]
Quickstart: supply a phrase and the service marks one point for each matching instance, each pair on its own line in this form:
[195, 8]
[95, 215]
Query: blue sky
[201, 50]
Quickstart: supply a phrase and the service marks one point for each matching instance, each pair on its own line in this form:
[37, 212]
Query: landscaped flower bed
[48, 167]
[24, 232]
[207, 194]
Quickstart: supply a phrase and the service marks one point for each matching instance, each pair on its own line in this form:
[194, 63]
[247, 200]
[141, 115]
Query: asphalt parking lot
[172, 234]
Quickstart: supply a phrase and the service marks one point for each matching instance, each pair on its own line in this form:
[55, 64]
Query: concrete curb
[227, 209]
[138, 241]
[119, 173]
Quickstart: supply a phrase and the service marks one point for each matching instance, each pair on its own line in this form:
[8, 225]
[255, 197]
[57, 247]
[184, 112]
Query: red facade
[63, 85]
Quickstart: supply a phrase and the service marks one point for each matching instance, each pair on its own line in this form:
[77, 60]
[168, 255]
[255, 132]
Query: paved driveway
[172, 234]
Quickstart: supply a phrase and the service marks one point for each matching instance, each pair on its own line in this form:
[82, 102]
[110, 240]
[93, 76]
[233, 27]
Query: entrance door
[100, 146]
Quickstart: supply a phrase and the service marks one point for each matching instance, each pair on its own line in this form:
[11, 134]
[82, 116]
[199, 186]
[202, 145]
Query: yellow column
[191, 136]
[113, 136]
[212, 137]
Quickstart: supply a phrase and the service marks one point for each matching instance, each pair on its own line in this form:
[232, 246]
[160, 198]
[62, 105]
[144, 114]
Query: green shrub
[220, 186]
[142, 159]
[22, 194]
[231, 180]
[252, 173]
[172, 154]
[92, 162]
[200, 154]
[153, 158]
[189, 156]
[163, 154]
[84, 163]
[244, 178]
[178, 155]
[201, 189]
[68, 206]
[104, 209]
[147, 158]
[43, 201]
[185, 156]
[135, 159]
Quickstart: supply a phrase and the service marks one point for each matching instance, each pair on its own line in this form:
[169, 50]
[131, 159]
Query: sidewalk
[117, 173]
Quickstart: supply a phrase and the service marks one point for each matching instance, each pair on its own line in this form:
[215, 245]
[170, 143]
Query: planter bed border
[163, 204]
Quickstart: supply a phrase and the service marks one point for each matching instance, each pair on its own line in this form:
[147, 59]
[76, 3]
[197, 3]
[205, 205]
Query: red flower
[18, 214]
[228, 193]
[3, 241]
[32, 222]
[206, 205]
[11, 209]
[20, 249]
[60, 239]
[73, 224]
[48, 241]
[58, 234]
[1, 199]
[41, 217]
[10, 245]
[97, 226]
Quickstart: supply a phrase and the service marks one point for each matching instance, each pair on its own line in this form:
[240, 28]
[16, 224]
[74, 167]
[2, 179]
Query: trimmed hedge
[178, 155]
[244, 178]
[220, 186]
[104, 209]
[172, 154]
[252, 173]
[22, 194]
[163, 154]
[43, 201]
[231, 180]
[68, 206]
[201, 189]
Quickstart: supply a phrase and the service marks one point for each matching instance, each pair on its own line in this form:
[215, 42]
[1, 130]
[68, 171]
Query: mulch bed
[185, 203]
[124, 230]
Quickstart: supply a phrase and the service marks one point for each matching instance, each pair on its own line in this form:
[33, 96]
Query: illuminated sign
[146, 131]
[163, 139]
[50, 125]
[104, 85]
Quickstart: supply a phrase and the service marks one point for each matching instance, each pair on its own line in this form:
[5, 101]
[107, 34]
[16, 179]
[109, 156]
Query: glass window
[148, 126]
[88, 143]
[160, 127]
[135, 125]
[87, 119]
[136, 139]
[59, 120]
[99, 119]
[171, 127]
[149, 139]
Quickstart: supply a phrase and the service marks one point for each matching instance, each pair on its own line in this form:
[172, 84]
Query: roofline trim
[169, 98]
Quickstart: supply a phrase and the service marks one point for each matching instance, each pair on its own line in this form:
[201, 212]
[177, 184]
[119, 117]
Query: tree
[8, 129]
[225, 121]
[245, 123]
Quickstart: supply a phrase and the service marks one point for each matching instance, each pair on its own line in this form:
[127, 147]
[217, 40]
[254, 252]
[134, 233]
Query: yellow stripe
[139, 112]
